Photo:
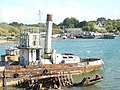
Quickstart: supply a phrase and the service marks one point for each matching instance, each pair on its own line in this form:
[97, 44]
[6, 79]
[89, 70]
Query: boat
[71, 37]
[32, 62]
[85, 35]
[30, 54]
[64, 37]
[87, 81]
[88, 36]
[105, 36]
[11, 56]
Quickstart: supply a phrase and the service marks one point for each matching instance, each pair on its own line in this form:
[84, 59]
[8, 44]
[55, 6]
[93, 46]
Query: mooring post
[3, 80]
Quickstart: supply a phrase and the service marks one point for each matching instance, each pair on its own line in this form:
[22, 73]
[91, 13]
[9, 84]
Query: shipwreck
[32, 62]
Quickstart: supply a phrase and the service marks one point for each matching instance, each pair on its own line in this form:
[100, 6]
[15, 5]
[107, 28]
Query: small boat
[11, 57]
[72, 37]
[87, 81]
[64, 37]
[88, 36]
[105, 37]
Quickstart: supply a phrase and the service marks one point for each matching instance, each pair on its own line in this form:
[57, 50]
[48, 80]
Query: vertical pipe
[48, 34]
[3, 79]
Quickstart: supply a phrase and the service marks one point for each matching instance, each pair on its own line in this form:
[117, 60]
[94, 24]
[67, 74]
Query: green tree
[101, 19]
[70, 22]
[110, 28]
[118, 28]
[15, 24]
[74, 22]
[66, 22]
[82, 24]
[91, 26]
[86, 28]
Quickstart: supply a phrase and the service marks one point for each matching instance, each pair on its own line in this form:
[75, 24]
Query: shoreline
[7, 42]
[14, 41]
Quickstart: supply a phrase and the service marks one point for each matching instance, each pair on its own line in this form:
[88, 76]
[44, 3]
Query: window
[70, 57]
[64, 57]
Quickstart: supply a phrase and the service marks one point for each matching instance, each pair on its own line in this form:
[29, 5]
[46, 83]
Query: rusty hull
[52, 69]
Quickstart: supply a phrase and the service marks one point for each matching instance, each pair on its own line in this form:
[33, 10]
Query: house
[101, 24]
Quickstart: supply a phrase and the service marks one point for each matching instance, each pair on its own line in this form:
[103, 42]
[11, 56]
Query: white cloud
[71, 9]
[11, 14]
[116, 14]
[60, 10]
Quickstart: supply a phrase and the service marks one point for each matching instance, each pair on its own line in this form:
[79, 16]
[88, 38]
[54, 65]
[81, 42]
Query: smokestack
[48, 34]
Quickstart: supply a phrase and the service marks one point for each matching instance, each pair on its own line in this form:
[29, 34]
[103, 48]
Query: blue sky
[26, 11]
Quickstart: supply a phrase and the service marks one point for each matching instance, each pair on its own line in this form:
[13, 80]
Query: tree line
[101, 25]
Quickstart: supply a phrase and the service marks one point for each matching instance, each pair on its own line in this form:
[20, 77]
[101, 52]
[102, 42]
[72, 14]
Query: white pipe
[48, 34]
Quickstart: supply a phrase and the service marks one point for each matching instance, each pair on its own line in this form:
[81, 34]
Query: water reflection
[92, 87]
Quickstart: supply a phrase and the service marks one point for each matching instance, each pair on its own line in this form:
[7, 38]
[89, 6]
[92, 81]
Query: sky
[27, 11]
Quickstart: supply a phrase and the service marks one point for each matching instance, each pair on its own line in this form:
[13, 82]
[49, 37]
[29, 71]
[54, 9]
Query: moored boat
[30, 54]
[106, 36]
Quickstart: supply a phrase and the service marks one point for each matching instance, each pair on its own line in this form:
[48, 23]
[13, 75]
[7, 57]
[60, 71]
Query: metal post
[4, 78]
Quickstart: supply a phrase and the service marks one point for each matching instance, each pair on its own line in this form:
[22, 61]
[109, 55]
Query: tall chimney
[48, 34]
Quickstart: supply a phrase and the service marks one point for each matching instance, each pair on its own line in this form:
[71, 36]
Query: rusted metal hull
[9, 72]
[52, 69]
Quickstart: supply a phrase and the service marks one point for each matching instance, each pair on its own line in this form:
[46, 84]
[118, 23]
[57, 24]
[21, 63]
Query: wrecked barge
[33, 62]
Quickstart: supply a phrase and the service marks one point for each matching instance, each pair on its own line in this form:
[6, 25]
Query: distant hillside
[8, 30]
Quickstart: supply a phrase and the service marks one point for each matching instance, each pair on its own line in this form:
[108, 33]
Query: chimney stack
[48, 35]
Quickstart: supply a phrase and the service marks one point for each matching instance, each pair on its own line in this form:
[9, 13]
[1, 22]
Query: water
[107, 49]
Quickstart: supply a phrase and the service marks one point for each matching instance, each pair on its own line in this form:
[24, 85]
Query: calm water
[107, 49]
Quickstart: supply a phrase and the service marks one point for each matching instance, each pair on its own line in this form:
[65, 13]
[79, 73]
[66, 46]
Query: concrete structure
[29, 47]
